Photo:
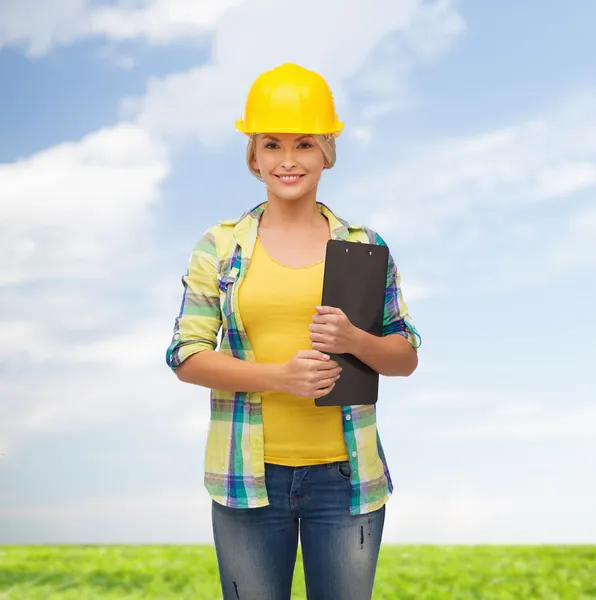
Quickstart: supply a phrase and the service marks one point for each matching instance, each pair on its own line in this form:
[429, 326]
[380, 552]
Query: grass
[404, 573]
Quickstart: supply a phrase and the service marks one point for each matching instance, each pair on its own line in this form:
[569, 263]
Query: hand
[309, 374]
[332, 331]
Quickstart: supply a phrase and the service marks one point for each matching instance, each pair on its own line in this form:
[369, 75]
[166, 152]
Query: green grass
[404, 573]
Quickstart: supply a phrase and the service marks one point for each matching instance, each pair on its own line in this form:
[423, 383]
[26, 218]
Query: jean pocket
[344, 469]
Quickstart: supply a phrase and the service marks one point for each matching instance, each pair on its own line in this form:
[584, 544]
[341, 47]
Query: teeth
[289, 177]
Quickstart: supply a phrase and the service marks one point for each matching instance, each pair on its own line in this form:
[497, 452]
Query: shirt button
[354, 454]
[348, 417]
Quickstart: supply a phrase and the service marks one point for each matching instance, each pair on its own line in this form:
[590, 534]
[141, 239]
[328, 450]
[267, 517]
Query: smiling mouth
[289, 178]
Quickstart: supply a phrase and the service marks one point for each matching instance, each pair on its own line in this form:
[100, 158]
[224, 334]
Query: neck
[298, 214]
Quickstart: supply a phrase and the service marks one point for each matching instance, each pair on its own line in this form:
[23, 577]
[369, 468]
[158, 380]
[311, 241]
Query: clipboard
[354, 280]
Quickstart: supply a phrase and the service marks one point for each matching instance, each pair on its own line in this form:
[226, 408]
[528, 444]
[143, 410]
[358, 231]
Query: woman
[278, 467]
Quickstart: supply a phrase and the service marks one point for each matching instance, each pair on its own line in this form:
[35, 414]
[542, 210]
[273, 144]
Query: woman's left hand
[332, 331]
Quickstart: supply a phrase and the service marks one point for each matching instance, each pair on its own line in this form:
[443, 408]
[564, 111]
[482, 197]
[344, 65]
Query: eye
[271, 145]
[305, 145]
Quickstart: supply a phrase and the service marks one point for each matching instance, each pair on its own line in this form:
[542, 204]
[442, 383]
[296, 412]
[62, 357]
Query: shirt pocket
[225, 283]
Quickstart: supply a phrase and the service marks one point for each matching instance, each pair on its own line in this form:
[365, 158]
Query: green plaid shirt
[234, 461]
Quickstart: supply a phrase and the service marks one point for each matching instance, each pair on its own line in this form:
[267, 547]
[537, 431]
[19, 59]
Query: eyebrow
[273, 138]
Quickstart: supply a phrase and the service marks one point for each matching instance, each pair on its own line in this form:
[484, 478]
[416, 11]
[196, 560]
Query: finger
[314, 354]
[321, 393]
[317, 328]
[327, 382]
[328, 366]
[328, 310]
[331, 319]
[320, 319]
[321, 338]
[330, 374]
[321, 347]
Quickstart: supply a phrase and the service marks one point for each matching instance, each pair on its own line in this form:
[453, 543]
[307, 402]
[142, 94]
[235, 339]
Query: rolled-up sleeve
[198, 323]
[396, 319]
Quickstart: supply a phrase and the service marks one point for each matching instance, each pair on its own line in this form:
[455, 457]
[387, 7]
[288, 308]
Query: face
[290, 165]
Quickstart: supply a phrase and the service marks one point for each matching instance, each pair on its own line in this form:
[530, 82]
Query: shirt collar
[246, 228]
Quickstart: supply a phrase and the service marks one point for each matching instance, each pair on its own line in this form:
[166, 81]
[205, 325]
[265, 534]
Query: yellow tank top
[277, 304]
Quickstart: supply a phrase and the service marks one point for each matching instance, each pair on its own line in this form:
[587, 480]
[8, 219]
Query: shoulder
[350, 230]
[218, 239]
[367, 235]
[214, 239]
[218, 231]
[363, 233]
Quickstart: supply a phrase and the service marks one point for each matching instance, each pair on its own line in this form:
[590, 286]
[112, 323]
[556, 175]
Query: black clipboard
[355, 279]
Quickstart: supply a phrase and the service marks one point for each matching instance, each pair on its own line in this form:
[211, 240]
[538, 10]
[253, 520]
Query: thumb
[313, 354]
[327, 310]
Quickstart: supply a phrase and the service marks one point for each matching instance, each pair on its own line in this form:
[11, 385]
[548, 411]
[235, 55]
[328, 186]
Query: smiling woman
[278, 467]
[325, 142]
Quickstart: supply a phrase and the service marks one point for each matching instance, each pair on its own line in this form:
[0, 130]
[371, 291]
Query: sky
[469, 145]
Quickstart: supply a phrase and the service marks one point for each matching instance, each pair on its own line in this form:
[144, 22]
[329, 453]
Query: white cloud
[85, 369]
[65, 211]
[162, 516]
[447, 181]
[462, 514]
[493, 212]
[454, 398]
[205, 101]
[466, 514]
[443, 516]
[530, 422]
[500, 414]
[577, 245]
[39, 27]
[386, 74]
[418, 291]
[363, 134]
[159, 21]
[77, 397]
[541, 252]
[519, 410]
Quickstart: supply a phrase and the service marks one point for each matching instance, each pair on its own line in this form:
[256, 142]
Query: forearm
[391, 355]
[218, 371]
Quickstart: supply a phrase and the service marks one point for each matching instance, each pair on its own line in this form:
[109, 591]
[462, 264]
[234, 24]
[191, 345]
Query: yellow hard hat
[290, 99]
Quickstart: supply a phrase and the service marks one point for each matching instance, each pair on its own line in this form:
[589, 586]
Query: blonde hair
[325, 142]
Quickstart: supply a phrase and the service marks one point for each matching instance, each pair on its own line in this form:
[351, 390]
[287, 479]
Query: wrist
[355, 340]
[275, 377]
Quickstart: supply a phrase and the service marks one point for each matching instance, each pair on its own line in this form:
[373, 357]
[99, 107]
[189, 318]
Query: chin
[292, 193]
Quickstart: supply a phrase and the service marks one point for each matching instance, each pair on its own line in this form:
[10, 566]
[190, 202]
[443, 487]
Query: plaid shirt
[234, 461]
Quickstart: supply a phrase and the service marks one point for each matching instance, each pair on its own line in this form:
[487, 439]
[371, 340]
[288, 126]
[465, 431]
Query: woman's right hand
[309, 374]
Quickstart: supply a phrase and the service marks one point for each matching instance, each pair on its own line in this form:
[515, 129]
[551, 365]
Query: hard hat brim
[335, 132]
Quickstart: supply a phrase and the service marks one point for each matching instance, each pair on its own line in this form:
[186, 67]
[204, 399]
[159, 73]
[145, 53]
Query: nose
[288, 162]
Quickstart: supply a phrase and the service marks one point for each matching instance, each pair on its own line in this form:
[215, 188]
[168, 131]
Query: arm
[192, 353]
[395, 353]
[388, 355]
[218, 371]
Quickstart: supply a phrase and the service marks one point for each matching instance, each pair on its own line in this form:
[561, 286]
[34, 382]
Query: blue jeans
[256, 547]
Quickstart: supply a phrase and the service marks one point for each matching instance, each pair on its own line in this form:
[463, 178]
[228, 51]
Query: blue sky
[470, 145]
